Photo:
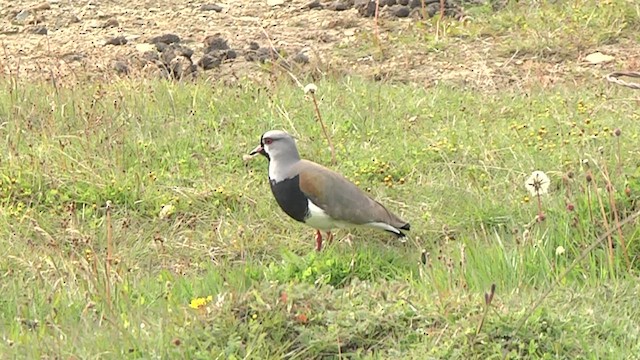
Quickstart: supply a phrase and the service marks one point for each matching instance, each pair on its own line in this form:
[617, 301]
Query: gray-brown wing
[340, 198]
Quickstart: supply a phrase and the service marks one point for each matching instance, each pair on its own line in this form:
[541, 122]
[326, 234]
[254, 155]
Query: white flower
[310, 88]
[538, 183]
[166, 211]
[559, 250]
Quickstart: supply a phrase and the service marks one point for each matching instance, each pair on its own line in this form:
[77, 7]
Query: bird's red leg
[329, 237]
[318, 240]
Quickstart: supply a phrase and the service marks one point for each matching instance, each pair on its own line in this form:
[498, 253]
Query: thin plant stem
[324, 128]
[609, 238]
[609, 188]
[540, 214]
[107, 264]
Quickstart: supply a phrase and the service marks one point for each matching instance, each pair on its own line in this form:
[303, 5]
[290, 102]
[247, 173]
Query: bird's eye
[268, 141]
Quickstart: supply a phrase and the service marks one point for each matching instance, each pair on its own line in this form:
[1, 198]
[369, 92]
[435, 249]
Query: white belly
[319, 219]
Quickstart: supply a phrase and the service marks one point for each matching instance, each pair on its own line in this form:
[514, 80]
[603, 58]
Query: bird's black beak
[258, 150]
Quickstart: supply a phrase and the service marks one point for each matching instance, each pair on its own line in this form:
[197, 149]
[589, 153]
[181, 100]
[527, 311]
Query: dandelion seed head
[538, 183]
[560, 250]
[310, 88]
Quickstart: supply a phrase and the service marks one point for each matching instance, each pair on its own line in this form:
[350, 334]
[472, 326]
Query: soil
[70, 40]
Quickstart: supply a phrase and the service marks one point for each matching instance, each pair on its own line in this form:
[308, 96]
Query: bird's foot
[318, 240]
[329, 237]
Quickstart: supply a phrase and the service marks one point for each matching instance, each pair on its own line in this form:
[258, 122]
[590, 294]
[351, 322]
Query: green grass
[227, 275]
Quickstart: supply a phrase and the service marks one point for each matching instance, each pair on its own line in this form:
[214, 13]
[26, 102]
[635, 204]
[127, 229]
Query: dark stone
[403, 2]
[118, 40]
[301, 58]
[121, 67]
[160, 46]
[166, 38]
[167, 55]
[208, 62]
[387, 2]
[39, 30]
[215, 43]
[340, 6]
[190, 71]
[231, 54]
[183, 51]
[211, 7]
[315, 4]
[433, 9]
[415, 4]
[151, 56]
[71, 57]
[400, 11]
[113, 22]
[263, 55]
[368, 9]
[254, 46]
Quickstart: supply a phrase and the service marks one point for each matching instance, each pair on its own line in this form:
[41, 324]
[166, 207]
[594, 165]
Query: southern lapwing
[319, 197]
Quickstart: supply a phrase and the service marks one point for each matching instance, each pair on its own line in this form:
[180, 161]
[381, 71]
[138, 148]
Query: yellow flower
[197, 303]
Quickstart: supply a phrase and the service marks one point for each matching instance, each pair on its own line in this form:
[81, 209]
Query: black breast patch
[290, 198]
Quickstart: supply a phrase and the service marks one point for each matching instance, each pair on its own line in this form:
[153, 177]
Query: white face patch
[277, 172]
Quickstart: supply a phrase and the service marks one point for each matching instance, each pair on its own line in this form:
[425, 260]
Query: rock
[403, 2]
[42, 6]
[315, 4]
[109, 23]
[118, 40]
[121, 67]
[172, 52]
[301, 58]
[265, 54]
[166, 38]
[598, 58]
[160, 46]
[39, 30]
[73, 57]
[22, 16]
[367, 9]
[150, 56]
[218, 48]
[433, 9]
[340, 5]
[413, 4]
[73, 19]
[180, 68]
[145, 47]
[215, 42]
[208, 62]
[211, 7]
[254, 46]
[387, 3]
[400, 11]
[183, 51]
[167, 56]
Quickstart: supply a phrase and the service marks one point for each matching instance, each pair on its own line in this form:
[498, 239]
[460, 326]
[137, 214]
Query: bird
[318, 196]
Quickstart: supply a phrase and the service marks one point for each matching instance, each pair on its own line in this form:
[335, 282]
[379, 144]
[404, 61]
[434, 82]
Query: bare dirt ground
[72, 40]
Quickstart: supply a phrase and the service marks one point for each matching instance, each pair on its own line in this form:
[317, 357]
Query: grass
[205, 265]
